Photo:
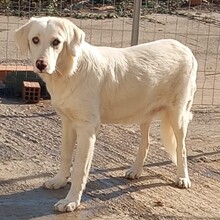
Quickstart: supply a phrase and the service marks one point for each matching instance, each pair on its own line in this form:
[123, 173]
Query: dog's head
[45, 38]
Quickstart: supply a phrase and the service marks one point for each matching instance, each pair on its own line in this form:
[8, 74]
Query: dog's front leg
[86, 137]
[68, 144]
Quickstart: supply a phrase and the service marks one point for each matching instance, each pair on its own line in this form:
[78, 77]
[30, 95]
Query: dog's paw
[66, 205]
[133, 173]
[183, 182]
[56, 182]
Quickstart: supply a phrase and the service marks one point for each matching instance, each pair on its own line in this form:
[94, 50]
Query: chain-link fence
[195, 23]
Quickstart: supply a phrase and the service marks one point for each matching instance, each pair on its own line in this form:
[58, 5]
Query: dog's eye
[55, 43]
[35, 40]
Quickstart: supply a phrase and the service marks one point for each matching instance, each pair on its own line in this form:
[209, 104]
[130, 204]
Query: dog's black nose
[41, 65]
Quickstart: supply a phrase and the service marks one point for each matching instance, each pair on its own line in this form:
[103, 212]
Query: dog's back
[155, 76]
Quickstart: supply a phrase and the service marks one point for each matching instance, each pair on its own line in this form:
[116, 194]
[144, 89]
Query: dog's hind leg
[179, 120]
[136, 170]
[67, 147]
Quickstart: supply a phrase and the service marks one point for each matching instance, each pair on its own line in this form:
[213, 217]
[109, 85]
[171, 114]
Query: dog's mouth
[45, 73]
[40, 71]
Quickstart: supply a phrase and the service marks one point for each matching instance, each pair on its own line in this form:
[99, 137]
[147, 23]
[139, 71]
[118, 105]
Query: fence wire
[195, 23]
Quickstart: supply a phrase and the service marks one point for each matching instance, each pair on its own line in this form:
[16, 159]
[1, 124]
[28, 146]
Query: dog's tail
[168, 138]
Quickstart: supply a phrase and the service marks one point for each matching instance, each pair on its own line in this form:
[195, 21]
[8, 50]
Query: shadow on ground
[38, 202]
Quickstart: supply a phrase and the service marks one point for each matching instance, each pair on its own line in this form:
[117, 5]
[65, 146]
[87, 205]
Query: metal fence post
[135, 22]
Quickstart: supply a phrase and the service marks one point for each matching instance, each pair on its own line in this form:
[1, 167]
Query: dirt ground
[30, 137]
[29, 154]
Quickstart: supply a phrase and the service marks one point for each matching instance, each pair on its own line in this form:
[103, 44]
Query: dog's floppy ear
[76, 38]
[21, 37]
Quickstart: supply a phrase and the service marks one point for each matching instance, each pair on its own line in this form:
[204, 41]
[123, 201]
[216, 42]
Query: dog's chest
[66, 110]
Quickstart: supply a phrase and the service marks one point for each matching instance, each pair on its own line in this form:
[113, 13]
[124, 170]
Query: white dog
[91, 85]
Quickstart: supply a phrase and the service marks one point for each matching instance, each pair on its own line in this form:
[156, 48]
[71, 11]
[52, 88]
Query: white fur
[91, 85]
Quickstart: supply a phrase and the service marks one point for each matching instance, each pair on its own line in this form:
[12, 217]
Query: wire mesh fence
[198, 27]
[195, 23]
